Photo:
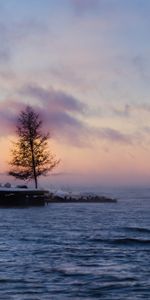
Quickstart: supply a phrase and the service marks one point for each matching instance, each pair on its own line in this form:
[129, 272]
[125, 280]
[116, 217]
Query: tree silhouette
[30, 155]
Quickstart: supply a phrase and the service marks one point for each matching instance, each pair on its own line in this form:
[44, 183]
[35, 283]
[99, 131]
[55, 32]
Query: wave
[138, 229]
[123, 241]
[131, 241]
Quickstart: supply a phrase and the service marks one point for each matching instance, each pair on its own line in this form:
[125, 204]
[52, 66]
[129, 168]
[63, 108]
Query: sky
[85, 66]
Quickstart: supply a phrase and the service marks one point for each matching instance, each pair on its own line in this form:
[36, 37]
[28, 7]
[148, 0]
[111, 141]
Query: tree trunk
[33, 165]
[36, 183]
[34, 172]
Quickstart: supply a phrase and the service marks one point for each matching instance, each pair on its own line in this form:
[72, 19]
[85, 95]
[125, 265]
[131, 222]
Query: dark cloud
[70, 129]
[66, 128]
[58, 110]
[63, 127]
[55, 100]
[61, 114]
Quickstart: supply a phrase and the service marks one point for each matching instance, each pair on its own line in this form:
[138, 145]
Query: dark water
[77, 251]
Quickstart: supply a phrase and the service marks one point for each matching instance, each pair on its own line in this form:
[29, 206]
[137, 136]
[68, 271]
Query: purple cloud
[57, 110]
[9, 110]
[55, 100]
[113, 135]
[65, 127]
[60, 113]
[61, 117]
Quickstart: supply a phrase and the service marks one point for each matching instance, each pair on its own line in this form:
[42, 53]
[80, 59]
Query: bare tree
[30, 155]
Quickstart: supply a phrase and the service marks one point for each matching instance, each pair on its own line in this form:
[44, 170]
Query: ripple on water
[75, 252]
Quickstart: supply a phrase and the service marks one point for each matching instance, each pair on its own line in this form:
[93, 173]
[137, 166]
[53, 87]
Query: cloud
[130, 110]
[63, 115]
[5, 52]
[143, 107]
[82, 6]
[139, 62]
[123, 112]
[70, 129]
[9, 110]
[60, 112]
[146, 129]
[113, 135]
[4, 55]
[132, 65]
[55, 100]
[67, 76]
[15, 34]
[64, 127]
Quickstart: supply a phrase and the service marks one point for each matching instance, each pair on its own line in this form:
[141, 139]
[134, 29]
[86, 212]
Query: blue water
[77, 251]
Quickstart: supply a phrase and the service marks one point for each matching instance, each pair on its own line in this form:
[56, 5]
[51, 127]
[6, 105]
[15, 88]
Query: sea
[77, 250]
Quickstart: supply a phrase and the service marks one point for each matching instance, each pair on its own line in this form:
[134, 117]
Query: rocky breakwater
[65, 197]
